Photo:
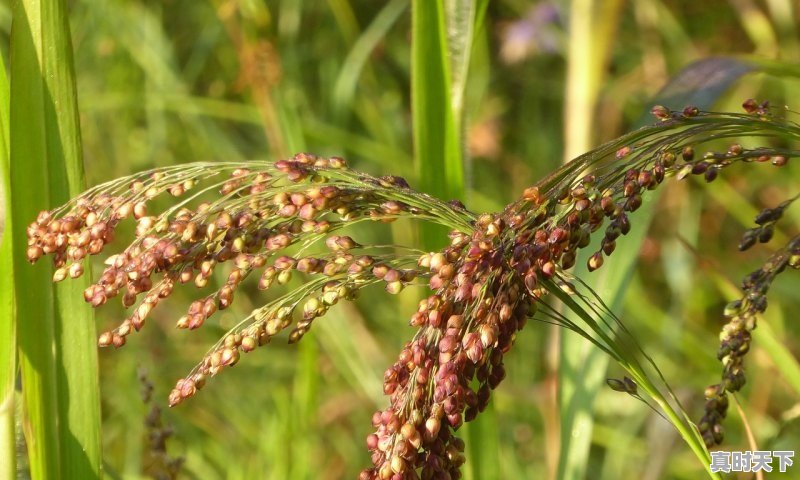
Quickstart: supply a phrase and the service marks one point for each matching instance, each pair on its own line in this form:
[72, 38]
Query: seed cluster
[742, 315]
[335, 276]
[445, 375]
[765, 225]
[263, 210]
[282, 220]
[531, 243]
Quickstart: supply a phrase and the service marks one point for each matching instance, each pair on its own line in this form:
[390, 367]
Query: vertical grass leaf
[8, 352]
[346, 82]
[56, 334]
[437, 148]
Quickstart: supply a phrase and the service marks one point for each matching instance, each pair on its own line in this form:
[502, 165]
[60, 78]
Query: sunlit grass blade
[437, 149]
[8, 351]
[56, 333]
[462, 20]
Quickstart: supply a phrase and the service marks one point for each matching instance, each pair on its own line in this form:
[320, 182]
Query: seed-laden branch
[484, 285]
[742, 315]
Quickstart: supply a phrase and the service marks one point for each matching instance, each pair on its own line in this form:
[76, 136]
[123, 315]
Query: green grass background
[170, 82]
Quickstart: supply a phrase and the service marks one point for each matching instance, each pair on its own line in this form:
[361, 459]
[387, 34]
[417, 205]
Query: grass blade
[346, 82]
[437, 148]
[58, 357]
[462, 19]
[8, 353]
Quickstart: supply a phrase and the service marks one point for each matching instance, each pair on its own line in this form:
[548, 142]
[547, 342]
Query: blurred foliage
[175, 81]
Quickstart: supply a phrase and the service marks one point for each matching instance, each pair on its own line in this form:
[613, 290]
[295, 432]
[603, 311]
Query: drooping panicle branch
[261, 211]
[445, 375]
[742, 315]
[276, 221]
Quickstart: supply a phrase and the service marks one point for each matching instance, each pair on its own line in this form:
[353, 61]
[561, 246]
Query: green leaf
[345, 87]
[437, 149]
[462, 19]
[56, 332]
[8, 352]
